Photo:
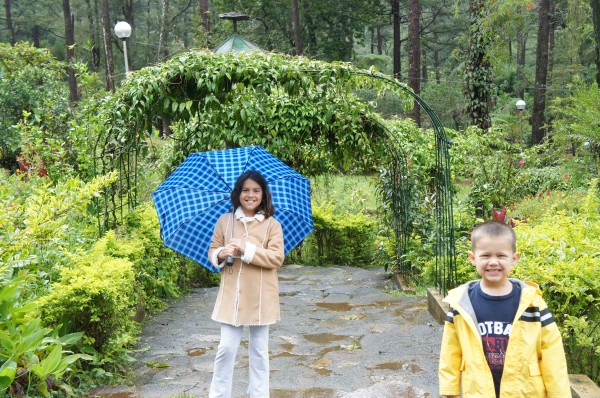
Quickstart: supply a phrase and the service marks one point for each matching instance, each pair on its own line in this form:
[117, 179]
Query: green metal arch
[444, 233]
[111, 155]
[445, 254]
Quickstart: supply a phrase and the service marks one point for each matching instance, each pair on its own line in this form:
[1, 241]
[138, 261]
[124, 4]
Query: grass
[353, 193]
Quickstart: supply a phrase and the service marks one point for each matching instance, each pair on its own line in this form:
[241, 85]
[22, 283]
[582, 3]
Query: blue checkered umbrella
[191, 200]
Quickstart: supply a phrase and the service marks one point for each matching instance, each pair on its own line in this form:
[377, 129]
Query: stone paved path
[342, 334]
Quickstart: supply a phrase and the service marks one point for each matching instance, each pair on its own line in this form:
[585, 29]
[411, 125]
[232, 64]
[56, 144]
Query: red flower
[499, 215]
[565, 176]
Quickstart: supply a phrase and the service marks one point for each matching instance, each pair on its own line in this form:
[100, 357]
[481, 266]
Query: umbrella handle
[229, 260]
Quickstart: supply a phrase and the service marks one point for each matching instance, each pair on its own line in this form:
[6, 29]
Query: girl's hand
[239, 246]
[228, 251]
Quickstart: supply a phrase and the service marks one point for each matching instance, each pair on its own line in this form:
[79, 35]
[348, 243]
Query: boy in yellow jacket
[499, 338]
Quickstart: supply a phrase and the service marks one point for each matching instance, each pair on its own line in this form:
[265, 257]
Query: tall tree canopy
[491, 50]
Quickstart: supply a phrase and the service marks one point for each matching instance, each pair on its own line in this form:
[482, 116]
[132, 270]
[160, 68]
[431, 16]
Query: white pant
[258, 352]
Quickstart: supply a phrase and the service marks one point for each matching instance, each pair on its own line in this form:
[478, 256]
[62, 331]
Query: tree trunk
[312, 36]
[424, 71]
[9, 25]
[128, 8]
[204, 16]
[478, 73]
[36, 34]
[297, 27]
[397, 40]
[596, 20]
[93, 18]
[414, 55]
[162, 46]
[520, 83]
[551, 40]
[108, 53]
[379, 41]
[436, 58]
[541, 74]
[70, 41]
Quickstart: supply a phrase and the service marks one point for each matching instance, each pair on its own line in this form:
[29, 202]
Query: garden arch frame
[118, 149]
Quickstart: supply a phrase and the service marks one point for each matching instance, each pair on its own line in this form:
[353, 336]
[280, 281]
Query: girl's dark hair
[266, 203]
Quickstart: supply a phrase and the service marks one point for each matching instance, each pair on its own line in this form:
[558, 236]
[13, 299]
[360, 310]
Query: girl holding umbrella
[249, 244]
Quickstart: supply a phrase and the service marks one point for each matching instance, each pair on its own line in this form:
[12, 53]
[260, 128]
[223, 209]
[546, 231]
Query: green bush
[127, 271]
[559, 251]
[536, 208]
[465, 271]
[94, 290]
[42, 221]
[33, 357]
[339, 239]
[448, 102]
[577, 122]
[160, 272]
[96, 295]
[31, 86]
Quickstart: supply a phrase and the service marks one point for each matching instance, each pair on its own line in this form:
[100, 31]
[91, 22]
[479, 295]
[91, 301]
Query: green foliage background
[49, 242]
[560, 252]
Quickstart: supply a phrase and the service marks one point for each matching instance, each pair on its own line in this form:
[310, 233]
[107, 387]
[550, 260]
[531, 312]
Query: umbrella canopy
[192, 199]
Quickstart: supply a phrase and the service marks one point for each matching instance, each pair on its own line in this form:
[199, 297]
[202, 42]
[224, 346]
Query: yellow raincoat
[534, 366]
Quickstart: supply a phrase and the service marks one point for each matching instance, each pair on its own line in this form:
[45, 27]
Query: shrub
[160, 272]
[448, 101]
[465, 270]
[577, 122]
[33, 357]
[95, 295]
[31, 84]
[340, 239]
[559, 252]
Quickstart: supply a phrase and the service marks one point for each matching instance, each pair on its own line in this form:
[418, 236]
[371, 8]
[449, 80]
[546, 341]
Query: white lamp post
[520, 106]
[123, 31]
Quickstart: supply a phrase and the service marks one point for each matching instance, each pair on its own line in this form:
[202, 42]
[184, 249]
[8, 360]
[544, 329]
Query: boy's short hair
[493, 228]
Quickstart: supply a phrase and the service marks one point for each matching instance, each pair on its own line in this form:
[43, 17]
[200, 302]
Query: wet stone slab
[342, 334]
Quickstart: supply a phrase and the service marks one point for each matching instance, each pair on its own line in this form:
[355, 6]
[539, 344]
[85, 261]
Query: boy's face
[494, 257]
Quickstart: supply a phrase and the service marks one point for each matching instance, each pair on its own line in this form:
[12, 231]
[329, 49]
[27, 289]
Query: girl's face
[251, 197]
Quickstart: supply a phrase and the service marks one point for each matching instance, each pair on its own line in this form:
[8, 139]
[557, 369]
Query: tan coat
[249, 291]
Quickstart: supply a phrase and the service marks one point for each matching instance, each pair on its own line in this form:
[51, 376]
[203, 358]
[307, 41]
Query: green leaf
[7, 373]
[157, 365]
[66, 361]
[10, 292]
[31, 341]
[49, 364]
[71, 338]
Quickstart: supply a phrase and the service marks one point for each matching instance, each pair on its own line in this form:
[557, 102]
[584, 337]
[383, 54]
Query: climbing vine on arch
[305, 112]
